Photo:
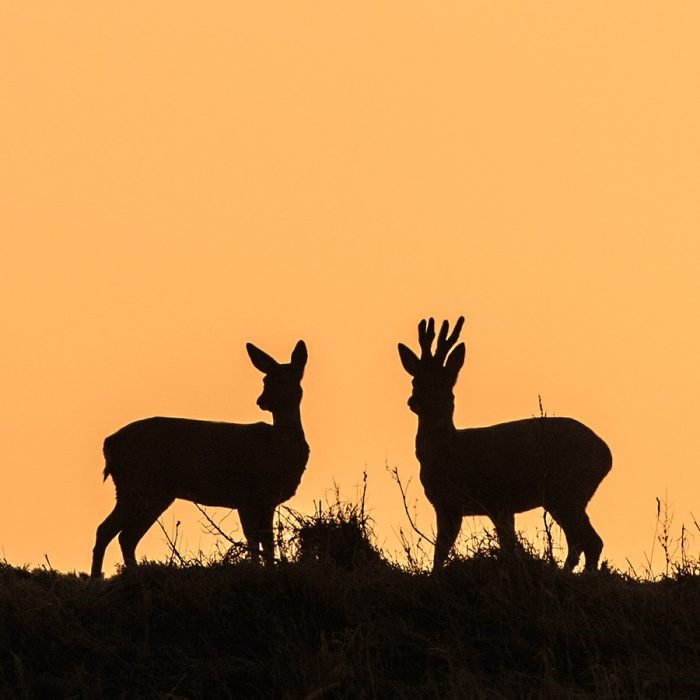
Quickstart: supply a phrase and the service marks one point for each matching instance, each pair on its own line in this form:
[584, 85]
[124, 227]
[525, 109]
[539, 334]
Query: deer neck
[289, 422]
[432, 426]
[434, 436]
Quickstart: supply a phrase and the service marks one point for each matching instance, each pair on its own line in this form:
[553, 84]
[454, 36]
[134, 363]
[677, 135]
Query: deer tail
[106, 452]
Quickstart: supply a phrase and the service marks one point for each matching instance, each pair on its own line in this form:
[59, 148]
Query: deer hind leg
[574, 548]
[581, 538]
[106, 532]
[136, 527]
[572, 530]
[448, 523]
[593, 546]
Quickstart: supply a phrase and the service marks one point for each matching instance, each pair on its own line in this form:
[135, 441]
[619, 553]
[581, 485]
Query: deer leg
[106, 532]
[137, 526]
[251, 529]
[448, 523]
[593, 545]
[266, 534]
[575, 530]
[505, 531]
[574, 549]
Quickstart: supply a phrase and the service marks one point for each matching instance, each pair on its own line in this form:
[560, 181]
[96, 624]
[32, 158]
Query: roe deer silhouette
[501, 469]
[250, 467]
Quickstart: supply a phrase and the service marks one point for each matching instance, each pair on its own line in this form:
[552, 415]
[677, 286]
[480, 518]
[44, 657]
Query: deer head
[281, 384]
[434, 374]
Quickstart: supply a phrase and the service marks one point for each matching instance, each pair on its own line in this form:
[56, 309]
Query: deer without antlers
[252, 467]
[502, 469]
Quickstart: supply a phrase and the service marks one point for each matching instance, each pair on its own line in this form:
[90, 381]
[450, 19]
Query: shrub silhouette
[339, 534]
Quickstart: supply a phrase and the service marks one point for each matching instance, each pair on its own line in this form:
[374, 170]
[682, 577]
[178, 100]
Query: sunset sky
[179, 178]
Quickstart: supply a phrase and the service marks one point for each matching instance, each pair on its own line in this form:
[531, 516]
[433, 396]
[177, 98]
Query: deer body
[167, 457]
[514, 466]
[250, 467]
[500, 470]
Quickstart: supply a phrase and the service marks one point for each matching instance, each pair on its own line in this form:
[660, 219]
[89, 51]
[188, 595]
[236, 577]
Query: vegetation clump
[340, 534]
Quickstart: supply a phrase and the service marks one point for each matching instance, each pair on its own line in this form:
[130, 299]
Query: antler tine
[442, 336]
[455, 333]
[445, 342]
[426, 335]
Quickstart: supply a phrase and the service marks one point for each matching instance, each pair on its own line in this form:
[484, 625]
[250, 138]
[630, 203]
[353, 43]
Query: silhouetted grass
[330, 625]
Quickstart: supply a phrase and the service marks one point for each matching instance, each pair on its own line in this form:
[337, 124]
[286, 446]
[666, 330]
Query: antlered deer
[502, 469]
[252, 467]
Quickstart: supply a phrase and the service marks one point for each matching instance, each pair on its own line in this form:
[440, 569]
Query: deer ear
[456, 360]
[409, 360]
[261, 360]
[299, 357]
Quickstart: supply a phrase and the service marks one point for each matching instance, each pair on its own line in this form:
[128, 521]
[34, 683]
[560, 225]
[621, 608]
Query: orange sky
[178, 179]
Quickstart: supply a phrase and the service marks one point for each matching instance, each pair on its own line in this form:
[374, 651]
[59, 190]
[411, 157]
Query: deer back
[515, 466]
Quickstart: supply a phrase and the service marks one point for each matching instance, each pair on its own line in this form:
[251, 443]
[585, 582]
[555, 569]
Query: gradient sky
[177, 179]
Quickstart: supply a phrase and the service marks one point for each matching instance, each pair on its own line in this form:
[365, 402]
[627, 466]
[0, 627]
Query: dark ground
[316, 628]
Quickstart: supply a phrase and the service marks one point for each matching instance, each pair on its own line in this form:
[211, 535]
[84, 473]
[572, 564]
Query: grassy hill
[338, 621]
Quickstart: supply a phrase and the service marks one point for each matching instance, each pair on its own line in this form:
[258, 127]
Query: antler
[426, 335]
[445, 343]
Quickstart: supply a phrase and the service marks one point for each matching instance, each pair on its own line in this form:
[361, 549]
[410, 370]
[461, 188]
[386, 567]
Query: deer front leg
[505, 531]
[267, 539]
[248, 516]
[449, 521]
[256, 521]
